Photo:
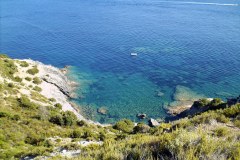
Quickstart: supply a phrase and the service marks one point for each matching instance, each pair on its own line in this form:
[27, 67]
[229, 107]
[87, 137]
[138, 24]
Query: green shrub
[16, 117]
[58, 106]
[222, 118]
[57, 119]
[37, 80]
[232, 111]
[28, 78]
[38, 89]
[89, 135]
[124, 125]
[24, 64]
[52, 99]
[11, 85]
[215, 102]
[221, 131]
[5, 114]
[72, 146]
[201, 103]
[8, 115]
[26, 103]
[69, 118]
[34, 139]
[141, 128]
[237, 123]
[77, 133]
[81, 123]
[33, 71]
[18, 79]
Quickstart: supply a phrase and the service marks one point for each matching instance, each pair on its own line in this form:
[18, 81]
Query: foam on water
[200, 3]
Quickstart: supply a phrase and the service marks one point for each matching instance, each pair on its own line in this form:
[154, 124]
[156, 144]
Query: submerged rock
[159, 94]
[141, 116]
[153, 123]
[65, 69]
[183, 93]
[183, 100]
[102, 110]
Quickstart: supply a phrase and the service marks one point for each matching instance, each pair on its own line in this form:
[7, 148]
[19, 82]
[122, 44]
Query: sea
[183, 50]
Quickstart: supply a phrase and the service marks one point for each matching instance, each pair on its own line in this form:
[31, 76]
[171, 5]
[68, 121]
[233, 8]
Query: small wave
[202, 3]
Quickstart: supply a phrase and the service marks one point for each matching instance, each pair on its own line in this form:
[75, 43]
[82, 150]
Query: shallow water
[195, 44]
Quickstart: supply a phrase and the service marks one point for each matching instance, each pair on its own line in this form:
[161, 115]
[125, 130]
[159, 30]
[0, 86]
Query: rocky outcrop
[102, 110]
[183, 100]
[141, 116]
[233, 101]
[56, 77]
[153, 123]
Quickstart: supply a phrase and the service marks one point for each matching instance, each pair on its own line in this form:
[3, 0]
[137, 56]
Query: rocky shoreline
[55, 84]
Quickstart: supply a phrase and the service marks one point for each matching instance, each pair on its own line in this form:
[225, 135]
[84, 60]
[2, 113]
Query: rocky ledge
[56, 77]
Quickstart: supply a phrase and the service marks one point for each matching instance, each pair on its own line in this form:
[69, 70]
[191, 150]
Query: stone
[65, 69]
[102, 110]
[141, 116]
[159, 94]
[153, 123]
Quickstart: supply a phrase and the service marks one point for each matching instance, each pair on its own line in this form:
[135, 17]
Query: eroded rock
[153, 123]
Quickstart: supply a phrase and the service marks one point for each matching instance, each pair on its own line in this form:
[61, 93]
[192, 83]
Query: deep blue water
[196, 45]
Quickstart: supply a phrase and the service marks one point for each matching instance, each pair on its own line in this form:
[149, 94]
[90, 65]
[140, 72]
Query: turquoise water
[179, 43]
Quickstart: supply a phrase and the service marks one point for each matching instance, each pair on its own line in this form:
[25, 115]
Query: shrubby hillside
[33, 126]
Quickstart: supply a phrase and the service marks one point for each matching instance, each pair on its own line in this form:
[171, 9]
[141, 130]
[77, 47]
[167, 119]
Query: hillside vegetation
[34, 126]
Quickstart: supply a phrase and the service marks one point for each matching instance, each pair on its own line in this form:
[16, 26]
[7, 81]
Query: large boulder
[153, 123]
[141, 116]
[102, 110]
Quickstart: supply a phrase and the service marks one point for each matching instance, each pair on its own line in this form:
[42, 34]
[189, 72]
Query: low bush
[58, 106]
[26, 103]
[67, 118]
[52, 99]
[28, 78]
[24, 64]
[141, 128]
[5, 114]
[222, 118]
[201, 103]
[37, 80]
[34, 139]
[33, 71]
[38, 89]
[81, 123]
[232, 111]
[17, 79]
[77, 133]
[57, 119]
[11, 85]
[221, 131]
[237, 123]
[89, 135]
[124, 125]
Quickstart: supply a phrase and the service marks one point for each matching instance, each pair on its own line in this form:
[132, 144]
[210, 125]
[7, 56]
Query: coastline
[56, 84]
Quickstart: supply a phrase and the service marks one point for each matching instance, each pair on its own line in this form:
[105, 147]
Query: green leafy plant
[33, 71]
